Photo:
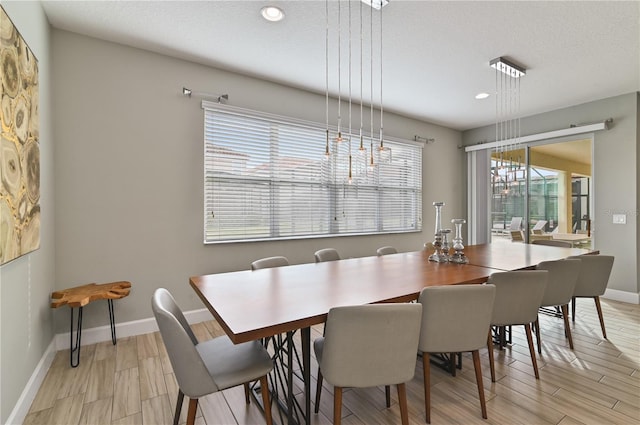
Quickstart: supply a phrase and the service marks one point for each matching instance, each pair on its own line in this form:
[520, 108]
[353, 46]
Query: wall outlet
[619, 219]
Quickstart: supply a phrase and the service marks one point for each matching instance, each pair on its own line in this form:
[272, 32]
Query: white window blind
[266, 177]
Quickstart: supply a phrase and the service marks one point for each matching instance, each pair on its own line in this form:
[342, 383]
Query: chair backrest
[538, 229]
[327, 254]
[563, 275]
[269, 262]
[455, 318]
[386, 250]
[191, 373]
[516, 223]
[594, 275]
[371, 345]
[551, 242]
[518, 296]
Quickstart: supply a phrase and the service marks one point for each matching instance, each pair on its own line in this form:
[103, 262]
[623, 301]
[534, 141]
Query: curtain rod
[572, 130]
[188, 92]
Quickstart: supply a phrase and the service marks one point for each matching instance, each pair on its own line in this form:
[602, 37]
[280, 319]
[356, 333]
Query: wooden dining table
[250, 305]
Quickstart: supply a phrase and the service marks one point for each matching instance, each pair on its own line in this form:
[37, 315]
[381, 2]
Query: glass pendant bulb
[327, 153]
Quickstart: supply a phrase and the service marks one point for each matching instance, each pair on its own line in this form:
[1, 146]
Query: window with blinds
[267, 177]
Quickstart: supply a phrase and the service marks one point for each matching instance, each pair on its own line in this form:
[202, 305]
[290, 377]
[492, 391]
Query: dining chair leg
[387, 395]
[426, 367]
[599, 308]
[191, 413]
[537, 326]
[532, 350]
[318, 391]
[402, 400]
[567, 329]
[573, 309]
[337, 405]
[176, 416]
[476, 366]
[492, 365]
[452, 364]
[264, 389]
[246, 393]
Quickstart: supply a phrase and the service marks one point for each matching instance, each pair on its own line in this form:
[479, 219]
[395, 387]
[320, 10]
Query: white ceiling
[435, 53]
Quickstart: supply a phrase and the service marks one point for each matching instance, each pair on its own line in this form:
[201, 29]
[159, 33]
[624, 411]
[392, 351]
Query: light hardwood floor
[597, 383]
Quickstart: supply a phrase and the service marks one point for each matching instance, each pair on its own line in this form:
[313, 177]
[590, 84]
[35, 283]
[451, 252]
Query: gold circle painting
[19, 145]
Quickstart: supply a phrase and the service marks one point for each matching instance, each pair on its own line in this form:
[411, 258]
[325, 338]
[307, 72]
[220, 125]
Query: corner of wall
[30, 390]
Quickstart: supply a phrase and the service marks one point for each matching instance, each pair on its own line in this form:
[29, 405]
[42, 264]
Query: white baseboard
[624, 296]
[29, 392]
[123, 330]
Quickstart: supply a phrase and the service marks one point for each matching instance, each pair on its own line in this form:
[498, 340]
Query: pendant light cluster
[357, 167]
[507, 169]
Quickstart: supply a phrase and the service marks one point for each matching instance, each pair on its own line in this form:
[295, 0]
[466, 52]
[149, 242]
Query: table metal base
[285, 371]
[74, 348]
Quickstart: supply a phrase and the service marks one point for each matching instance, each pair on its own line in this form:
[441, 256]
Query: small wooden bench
[80, 296]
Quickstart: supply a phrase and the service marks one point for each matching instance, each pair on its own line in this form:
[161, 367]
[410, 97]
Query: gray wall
[26, 327]
[615, 175]
[129, 173]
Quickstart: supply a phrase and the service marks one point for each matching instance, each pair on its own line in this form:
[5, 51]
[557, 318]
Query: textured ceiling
[435, 54]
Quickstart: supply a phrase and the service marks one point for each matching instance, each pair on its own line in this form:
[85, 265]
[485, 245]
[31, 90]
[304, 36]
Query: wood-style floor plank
[151, 378]
[126, 393]
[127, 353]
[96, 413]
[101, 376]
[598, 382]
[68, 410]
[157, 410]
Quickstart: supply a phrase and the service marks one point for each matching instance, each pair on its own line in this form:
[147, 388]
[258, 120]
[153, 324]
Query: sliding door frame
[479, 186]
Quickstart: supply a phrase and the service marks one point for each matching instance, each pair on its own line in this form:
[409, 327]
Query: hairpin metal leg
[75, 349]
[112, 321]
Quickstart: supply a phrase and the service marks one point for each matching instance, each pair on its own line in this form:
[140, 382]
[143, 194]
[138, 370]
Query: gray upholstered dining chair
[563, 275]
[592, 282]
[518, 297]
[203, 368]
[386, 250]
[369, 346]
[327, 254]
[455, 319]
[551, 242]
[269, 262]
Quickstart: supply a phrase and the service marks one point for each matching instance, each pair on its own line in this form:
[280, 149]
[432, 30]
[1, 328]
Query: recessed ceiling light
[482, 95]
[272, 13]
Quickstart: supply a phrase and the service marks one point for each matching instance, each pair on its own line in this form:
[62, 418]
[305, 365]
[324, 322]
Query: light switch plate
[619, 219]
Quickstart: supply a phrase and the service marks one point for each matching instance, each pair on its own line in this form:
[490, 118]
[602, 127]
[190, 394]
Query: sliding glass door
[540, 190]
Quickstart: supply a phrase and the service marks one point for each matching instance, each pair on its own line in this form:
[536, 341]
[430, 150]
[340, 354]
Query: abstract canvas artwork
[19, 145]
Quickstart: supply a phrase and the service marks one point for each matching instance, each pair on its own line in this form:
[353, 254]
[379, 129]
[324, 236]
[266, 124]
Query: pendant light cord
[381, 108]
[339, 138]
[326, 52]
[371, 81]
[362, 149]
